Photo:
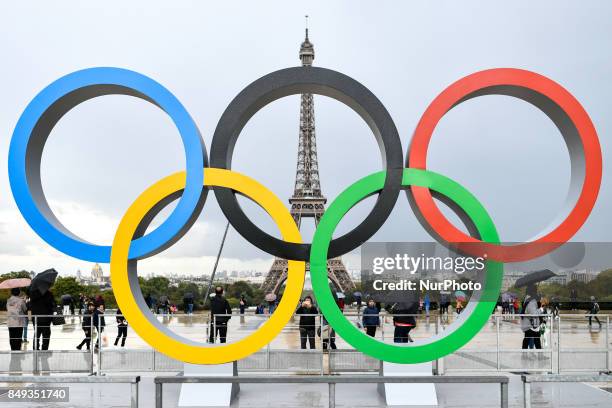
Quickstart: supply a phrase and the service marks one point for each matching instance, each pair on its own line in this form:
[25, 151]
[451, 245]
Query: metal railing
[133, 380]
[529, 379]
[43, 359]
[332, 380]
[569, 345]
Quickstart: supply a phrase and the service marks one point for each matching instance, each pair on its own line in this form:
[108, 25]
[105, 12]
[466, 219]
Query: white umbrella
[340, 295]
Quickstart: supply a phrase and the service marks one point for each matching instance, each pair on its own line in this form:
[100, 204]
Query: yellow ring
[170, 346]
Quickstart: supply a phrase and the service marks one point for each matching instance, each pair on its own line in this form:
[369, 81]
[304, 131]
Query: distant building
[584, 276]
[560, 279]
[510, 278]
[97, 274]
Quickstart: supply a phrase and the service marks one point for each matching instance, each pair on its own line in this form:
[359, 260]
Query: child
[99, 323]
[122, 326]
[370, 318]
[86, 326]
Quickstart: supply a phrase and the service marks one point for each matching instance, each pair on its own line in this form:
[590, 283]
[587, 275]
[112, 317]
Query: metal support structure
[332, 380]
[214, 271]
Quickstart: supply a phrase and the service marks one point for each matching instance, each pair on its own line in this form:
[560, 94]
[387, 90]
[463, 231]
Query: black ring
[321, 81]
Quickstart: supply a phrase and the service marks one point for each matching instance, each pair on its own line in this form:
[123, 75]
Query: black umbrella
[188, 295]
[67, 297]
[43, 281]
[534, 277]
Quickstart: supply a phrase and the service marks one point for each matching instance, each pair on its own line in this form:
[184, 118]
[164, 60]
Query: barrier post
[332, 395]
[558, 344]
[497, 334]
[550, 338]
[608, 343]
[328, 341]
[34, 341]
[134, 397]
[91, 346]
[527, 394]
[99, 347]
[504, 395]
[158, 395]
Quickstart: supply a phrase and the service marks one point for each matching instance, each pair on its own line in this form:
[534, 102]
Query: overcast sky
[105, 152]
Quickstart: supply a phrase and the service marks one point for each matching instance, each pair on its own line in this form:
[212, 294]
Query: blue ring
[45, 110]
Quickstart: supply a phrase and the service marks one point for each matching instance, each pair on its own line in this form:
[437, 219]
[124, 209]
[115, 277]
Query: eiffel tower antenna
[307, 199]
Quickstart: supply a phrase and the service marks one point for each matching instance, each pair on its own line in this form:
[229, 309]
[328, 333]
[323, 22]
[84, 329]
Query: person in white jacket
[16, 309]
[531, 324]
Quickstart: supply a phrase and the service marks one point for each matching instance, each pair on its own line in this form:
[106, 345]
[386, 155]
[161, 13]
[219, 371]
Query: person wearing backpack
[594, 310]
[530, 325]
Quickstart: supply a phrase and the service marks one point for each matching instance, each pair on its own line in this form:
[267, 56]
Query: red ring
[465, 87]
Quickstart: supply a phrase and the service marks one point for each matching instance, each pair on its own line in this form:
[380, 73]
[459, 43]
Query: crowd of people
[44, 313]
[42, 310]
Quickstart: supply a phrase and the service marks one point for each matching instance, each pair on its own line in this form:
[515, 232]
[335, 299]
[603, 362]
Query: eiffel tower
[307, 199]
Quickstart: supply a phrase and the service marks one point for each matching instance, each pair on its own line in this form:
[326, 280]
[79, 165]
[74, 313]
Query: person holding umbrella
[42, 305]
[358, 299]
[16, 307]
[15, 310]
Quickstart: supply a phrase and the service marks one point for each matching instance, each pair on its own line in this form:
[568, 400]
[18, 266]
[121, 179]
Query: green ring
[402, 354]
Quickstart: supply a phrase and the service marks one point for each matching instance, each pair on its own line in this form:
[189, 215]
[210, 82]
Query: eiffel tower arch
[307, 200]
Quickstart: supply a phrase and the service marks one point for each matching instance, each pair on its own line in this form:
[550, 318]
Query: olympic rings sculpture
[190, 188]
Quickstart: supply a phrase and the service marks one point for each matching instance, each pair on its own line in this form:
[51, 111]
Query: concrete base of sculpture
[209, 395]
[408, 394]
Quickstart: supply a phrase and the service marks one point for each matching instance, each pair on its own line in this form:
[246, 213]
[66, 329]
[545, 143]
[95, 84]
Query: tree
[14, 275]
[66, 286]
[156, 286]
[237, 289]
